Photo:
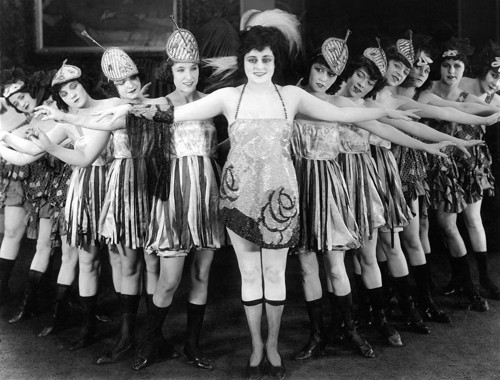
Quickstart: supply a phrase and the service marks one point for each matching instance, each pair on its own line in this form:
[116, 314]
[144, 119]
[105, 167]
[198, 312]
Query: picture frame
[132, 25]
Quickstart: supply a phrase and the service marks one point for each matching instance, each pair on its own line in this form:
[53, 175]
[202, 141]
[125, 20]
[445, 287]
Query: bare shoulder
[495, 101]
[110, 102]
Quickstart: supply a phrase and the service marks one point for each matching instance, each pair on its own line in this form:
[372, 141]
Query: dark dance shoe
[364, 316]
[198, 360]
[47, 330]
[115, 354]
[492, 289]
[26, 309]
[390, 334]
[254, 373]
[419, 327]
[277, 372]
[478, 304]
[311, 349]
[432, 313]
[145, 355]
[360, 344]
[335, 334]
[452, 289]
[85, 338]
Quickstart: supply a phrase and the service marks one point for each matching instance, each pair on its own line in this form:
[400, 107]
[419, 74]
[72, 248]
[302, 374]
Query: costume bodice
[353, 139]
[103, 159]
[315, 140]
[193, 138]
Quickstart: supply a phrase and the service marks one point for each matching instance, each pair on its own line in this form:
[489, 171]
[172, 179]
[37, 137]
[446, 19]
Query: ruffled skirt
[86, 192]
[326, 219]
[125, 212]
[365, 192]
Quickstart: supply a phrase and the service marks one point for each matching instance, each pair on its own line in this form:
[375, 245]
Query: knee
[250, 274]
[130, 267]
[152, 264]
[89, 266]
[13, 233]
[69, 259]
[473, 222]
[336, 272]
[166, 286]
[201, 274]
[274, 275]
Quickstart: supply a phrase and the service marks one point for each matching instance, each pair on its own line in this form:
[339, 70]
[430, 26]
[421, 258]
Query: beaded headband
[182, 46]
[378, 57]
[423, 59]
[66, 73]
[336, 53]
[116, 65]
[12, 88]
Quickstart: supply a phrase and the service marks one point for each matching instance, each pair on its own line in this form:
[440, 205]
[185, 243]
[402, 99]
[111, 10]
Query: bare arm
[57, 135]
[17, 158]
[468, 107]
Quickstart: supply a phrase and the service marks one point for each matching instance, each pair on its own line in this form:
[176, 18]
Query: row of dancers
[351, 158]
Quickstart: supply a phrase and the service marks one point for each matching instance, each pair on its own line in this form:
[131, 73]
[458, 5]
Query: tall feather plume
[85, 34]
[219, 65]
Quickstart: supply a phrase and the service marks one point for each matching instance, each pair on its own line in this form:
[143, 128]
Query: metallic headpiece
[378, 57]
[405, 48]
[12, 88]
[336, 53]
[182, 46]
[116, 65]
[495, 65]
[423, 59]
[66, 73]
[450, 53]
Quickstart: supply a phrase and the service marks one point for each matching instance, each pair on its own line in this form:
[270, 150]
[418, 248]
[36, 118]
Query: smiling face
[359, 84]
[396, 72]
[23, 102]
[128, 88]
[321, 78]
[452, 71]
[74, 94]
[491, 82]
[186, 76]
[259, 65]
[419, 74]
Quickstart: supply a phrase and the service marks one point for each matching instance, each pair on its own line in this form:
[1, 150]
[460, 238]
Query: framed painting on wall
[133, 25]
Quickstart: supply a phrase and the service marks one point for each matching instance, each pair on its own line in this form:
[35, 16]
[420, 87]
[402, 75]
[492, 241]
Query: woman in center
[259, 192]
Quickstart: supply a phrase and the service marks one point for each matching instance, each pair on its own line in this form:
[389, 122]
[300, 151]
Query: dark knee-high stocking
[376, 297]
[62, 292]
[484, 277]
[315, 344]
[429, 309]
[87, 331]
[28, 304]
[195, 316]
[414, 320]
[6, 267]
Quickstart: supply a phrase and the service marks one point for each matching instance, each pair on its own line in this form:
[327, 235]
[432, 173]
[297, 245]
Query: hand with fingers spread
[115, 112]
[462, 145]
[408, 115]
[436, 148]
[49, 113]
[143, 94]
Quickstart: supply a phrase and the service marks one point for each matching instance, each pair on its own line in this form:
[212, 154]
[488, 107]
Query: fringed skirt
[365, 192]
[326, 218]
[187, 216]
[412, 164]
[125, 212]
[398, 213]
[475, 175]
[86, 192]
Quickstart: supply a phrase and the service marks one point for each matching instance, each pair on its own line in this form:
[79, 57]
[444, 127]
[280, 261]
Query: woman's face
[491, 82]
[359, 84]
[259, 65]
[23, 102]
[419, 74]
[129, 88]
[452, 71]
[186, 76]
[321, 78]
[74, 94]
[396, 72]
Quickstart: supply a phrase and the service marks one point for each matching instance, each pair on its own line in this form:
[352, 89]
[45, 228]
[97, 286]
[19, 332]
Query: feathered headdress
[116, 65]
[336, 53]
[377, 56]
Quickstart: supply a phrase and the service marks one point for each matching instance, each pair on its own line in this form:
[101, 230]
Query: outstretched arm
[481, 109]
[17, 158]
[57, 134]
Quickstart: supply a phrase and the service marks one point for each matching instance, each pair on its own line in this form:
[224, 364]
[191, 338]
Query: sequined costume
[327, 221]
[398, 213]
[85, 197]
[475, 175]
[125, 211]
[363, 183]
[259, 192]
[187, 216]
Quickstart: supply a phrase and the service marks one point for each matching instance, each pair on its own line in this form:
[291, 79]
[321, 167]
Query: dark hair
[83, 80]
[481, 63]
[108, 87]
[316, 57]
[392, 53]
[408, 82]
[258, 38]
[371, 69]
[37, 85]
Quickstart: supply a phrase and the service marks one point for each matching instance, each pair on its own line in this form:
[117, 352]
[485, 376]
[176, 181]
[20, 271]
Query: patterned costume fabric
[259, 197]
[398, 213]
[327, 221]
[186, 215]
[475, 175]
[85, 197]
[363, 183]
[125, 211]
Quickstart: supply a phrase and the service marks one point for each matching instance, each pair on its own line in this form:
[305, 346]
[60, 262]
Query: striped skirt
[125, 212]
[187, 216]
[326, 219]
[84, 201]
[366, 192]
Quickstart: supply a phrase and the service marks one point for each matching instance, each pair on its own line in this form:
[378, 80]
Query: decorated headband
[12, 88]
[182, 46]
[66, 73]
[450, 53]
[405, 48]
[423, 59]
[378, 57]
[116, 65]
[336, 53]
